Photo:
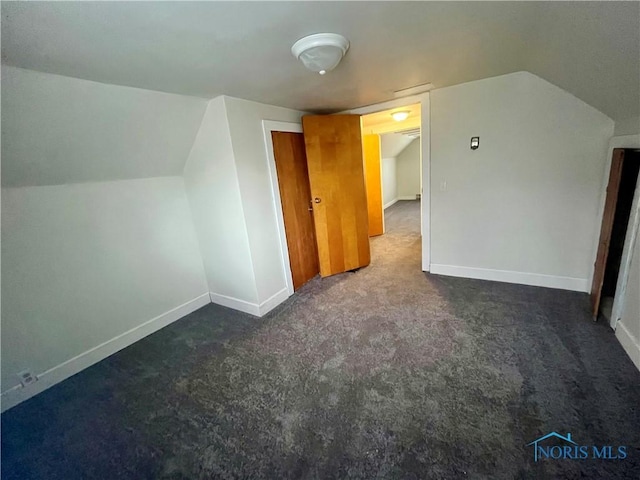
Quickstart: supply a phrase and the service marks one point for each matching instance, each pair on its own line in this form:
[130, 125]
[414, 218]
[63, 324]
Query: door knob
[317, 200]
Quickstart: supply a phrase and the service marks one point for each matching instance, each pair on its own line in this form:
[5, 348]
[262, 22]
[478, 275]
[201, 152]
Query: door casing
[269, 126]
[604, 241]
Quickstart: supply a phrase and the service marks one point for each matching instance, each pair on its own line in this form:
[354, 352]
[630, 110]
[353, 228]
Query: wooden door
[605, 231]
[295, 196]
[373, 179]
[336, 175]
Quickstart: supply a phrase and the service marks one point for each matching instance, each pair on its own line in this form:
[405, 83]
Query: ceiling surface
[383, 122]
[591, 49]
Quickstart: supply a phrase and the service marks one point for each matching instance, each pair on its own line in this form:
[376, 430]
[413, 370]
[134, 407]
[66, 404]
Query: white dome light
[401, 115]
[321, 52]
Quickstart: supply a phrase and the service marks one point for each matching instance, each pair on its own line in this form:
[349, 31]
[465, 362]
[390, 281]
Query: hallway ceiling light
[321, 52]
[401, 115]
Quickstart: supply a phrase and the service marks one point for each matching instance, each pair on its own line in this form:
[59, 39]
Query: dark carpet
[383, 373]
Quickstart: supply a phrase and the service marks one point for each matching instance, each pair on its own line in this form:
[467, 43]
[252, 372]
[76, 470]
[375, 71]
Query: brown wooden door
[373, 177]
[605, 231]
[295, 195]
[336, 175]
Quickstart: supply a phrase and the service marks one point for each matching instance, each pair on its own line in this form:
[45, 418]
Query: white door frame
[269, 126]
[425, 157]
[633, 229]
[625, 263]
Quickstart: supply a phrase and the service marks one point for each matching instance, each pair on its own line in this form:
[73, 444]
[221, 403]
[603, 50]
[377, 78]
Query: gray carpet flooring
[384, 373]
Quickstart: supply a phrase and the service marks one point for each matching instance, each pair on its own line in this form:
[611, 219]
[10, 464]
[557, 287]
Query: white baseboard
[18, 394]
[535, 279]
[629, 343]
[247, 307]
[396, 200]
[392, 202]
[272, 302]
[407, 197]
[235, 303]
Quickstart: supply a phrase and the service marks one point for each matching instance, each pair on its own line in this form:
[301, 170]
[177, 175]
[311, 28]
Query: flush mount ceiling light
[401, 115]
[321, 52]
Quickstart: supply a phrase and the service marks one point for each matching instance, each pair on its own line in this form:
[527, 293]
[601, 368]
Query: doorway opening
[339, 181]
[623, 181]
[398, 160]
[319, 192]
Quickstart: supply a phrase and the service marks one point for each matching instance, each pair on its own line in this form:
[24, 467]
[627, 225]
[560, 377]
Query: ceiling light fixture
[321, 52]
[401, 115]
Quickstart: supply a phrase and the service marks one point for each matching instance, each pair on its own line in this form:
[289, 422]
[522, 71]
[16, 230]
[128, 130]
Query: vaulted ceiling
[243, 49]
[393, 144]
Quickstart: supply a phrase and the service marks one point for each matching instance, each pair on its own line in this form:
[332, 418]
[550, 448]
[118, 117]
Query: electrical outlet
[26, 378]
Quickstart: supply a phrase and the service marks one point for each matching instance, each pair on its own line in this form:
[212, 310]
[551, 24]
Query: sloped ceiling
[391, 144]
[58, 130]
[205, 49]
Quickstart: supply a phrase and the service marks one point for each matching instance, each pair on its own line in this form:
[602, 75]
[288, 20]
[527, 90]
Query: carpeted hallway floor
[383, 373]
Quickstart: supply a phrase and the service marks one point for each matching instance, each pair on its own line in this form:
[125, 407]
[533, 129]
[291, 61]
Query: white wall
[408, 168]
[398, 167]
[389, 182]
[211, 179]
[91, 267]
[391, 144]
[84, 264]
[524, 206]
[59, 130]
[229, 189]
[249, 149]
